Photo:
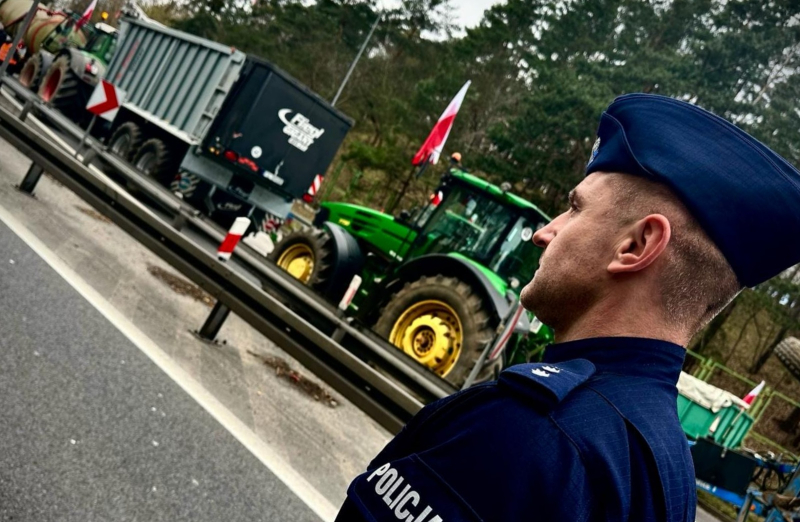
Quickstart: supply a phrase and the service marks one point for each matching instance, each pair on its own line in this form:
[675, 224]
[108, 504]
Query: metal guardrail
[365, 369]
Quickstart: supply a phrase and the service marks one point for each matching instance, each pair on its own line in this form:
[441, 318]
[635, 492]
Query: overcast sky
[470, 12]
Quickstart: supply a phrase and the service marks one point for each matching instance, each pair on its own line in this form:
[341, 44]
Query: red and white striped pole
[232, 239]
[309, 196]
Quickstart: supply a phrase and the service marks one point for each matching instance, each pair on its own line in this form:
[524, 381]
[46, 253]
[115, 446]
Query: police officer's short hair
[698, 281]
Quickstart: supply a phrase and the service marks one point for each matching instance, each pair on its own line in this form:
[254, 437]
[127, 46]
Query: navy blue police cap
[745, 196]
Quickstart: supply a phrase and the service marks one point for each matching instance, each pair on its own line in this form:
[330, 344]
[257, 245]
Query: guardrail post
[214, 322]
[31, 178]
[497, 343]
[26, 109]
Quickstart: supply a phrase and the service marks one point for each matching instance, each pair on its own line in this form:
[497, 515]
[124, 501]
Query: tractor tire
[441, 323]
[153, 160]
[125, 141]
[61, 88]
[788, 352]
[31, 74]
[307, 255]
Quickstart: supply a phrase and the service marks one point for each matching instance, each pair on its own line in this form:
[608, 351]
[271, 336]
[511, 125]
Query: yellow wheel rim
[431, 333]
[298, 260]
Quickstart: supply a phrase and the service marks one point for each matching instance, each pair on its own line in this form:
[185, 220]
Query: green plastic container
[697, 420]
[733, 426]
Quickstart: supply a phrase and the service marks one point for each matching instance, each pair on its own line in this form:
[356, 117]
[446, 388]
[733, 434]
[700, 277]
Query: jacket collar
[634, 356]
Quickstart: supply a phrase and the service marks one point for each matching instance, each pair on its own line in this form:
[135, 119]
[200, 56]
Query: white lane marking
[260, 449]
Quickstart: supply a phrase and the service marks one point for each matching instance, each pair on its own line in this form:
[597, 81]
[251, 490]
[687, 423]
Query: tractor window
[467, 223]
[518, 257]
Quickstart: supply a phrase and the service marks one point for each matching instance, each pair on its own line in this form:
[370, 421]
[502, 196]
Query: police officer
[679, 210]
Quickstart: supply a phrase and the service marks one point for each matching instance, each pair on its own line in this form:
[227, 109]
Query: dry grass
[284, 371]
[181, 286]
[93, 214]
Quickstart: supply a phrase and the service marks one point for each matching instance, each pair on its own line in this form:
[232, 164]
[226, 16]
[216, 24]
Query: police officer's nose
[544, 235]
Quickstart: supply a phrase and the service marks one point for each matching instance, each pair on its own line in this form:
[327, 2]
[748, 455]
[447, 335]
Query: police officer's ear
[642, 243]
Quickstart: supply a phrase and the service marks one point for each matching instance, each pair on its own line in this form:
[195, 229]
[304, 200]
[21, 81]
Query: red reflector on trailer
[231, 156]
[308, 198]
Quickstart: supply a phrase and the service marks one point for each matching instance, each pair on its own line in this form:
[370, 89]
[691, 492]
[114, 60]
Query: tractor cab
[437, 282]
[102, 42]
[473, 219]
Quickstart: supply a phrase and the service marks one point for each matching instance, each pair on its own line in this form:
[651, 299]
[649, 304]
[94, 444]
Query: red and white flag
[750, 397]
[432, 148]
[87, 15]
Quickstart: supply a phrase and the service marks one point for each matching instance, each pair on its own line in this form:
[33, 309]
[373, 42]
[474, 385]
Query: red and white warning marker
[232, 239]
[355, 284]
[313, 189]
[105, 100]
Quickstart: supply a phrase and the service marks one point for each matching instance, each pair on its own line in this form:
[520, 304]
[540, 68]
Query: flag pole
[424, 166]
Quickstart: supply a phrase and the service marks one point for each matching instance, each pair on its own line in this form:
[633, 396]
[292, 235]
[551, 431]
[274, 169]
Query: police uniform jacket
[589, 434]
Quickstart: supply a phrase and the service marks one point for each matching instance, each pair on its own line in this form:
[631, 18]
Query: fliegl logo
[299, 129]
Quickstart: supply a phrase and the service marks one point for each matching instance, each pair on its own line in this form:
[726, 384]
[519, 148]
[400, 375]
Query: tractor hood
[383, 232]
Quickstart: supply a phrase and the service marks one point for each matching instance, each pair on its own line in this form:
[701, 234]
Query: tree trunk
[765, 355]
[705, 337]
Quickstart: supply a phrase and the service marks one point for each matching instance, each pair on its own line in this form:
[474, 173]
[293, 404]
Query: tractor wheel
[31, 74]
[306, 255]
[441, 323]
[125, 141]
[788, 352]
[61, 88]
[153, 160]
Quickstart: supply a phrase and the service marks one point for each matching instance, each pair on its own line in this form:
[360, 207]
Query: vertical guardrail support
[31, 178]
[214, 322]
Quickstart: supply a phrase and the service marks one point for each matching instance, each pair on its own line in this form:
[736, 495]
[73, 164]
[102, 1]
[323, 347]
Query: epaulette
[546, 383]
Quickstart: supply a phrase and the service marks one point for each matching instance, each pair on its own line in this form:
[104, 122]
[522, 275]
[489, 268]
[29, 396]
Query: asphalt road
[91, 429]
[704, 516]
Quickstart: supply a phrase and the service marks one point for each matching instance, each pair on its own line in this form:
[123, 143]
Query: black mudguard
[348, 260]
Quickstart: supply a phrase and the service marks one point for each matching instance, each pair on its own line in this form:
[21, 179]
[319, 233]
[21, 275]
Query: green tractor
[73, 72]
[437, 282]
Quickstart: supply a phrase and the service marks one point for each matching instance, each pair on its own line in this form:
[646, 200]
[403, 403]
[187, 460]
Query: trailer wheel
[31, 74]
[306, 255]
[441, 323]
[152, 159]
[61, 88]
[788, 352]
[125, 141]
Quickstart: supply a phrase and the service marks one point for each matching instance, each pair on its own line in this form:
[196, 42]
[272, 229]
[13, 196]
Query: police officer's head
[679, 210]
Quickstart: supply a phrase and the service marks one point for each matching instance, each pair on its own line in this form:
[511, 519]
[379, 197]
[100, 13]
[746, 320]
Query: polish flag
[432, 148]
[87, 15]
[750, 397]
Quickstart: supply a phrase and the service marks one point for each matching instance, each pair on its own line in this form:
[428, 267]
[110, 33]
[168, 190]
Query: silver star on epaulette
[540, 373]
[551, 369]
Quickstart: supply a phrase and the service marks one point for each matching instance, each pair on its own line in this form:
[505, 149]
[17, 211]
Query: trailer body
[240, 132]
[272, 134]
[173, 80]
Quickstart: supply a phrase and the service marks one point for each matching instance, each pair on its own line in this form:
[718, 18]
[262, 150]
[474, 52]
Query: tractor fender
[78, 61]
[434, 264]
[348, 261]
